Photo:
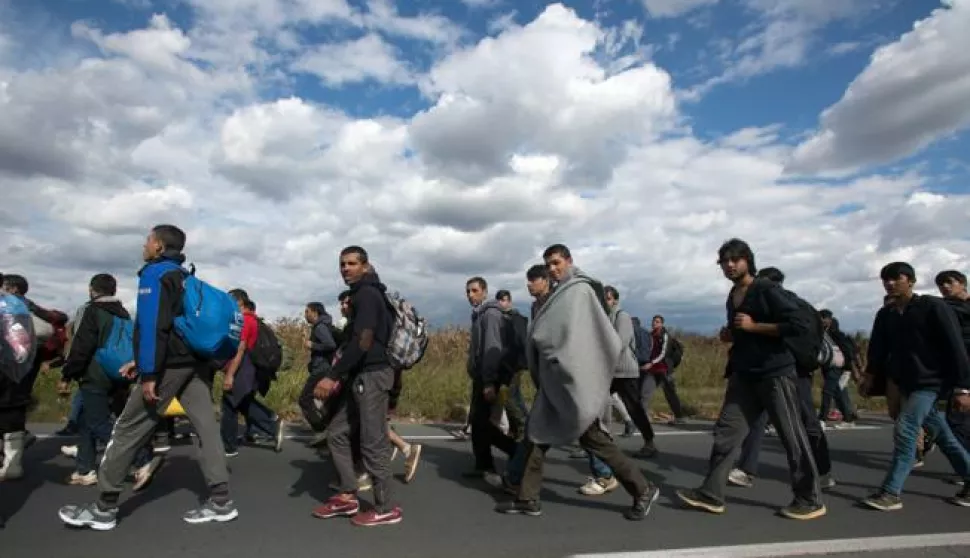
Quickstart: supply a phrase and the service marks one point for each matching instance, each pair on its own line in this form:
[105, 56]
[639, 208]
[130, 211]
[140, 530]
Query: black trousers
[484, 432]
[629, 391]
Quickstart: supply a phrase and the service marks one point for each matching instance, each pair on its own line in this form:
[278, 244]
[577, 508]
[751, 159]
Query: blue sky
[459, 136]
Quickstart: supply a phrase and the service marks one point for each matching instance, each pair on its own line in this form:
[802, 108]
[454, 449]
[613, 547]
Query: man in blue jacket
[164, 367]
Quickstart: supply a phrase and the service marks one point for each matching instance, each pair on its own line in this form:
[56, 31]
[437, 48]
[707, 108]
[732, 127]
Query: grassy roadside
[438, 388]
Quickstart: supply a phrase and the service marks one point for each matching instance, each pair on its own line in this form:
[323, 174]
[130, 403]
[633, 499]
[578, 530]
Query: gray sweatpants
[136, 425]
[363, 413]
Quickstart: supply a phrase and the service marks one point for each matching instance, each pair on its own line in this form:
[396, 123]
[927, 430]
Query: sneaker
[629, 430]
[411, 462]
[145, 473]
[826, 482]
[337, 507]
[70, 429]
[90, 515]
[883, 501]
[87, 479]
[737, 477]
[519, 507]
[700, 501]
[230, 453]
[962, 499]
[641, 506]
[69, 451]
[210, 511]
[956, 481]
[599, 486]
[162, 448]
[492, 479]
[279, 435]
[648, 451]
[462, 433]
[374, 518]
[802, 511]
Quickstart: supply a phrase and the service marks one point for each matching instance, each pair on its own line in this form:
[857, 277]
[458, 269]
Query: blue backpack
[18, 343]
[210, 324]
[118, 350]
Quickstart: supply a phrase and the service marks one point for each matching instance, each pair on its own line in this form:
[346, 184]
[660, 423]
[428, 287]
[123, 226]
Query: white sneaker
[144, 474]
[737, 477]
[89, 479]
[493, 479]
[69, 451]
[598, 487]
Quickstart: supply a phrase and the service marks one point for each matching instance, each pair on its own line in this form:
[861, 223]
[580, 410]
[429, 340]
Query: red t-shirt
[250, 330]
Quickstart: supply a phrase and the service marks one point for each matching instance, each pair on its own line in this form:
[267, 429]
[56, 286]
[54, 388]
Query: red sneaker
[373, 518]
[337, 507]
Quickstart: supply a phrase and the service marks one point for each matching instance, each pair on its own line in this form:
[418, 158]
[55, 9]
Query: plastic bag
[18, 344]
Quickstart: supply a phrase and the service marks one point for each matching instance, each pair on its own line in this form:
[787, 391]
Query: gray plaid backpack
[409, 334]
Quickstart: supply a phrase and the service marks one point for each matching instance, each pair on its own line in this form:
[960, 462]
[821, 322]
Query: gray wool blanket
[573, 351]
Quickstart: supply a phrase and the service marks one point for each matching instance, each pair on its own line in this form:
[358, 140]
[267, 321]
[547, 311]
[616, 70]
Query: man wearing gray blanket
[573, 350]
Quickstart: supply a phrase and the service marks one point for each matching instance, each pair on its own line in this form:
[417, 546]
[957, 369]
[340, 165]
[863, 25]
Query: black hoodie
[368, 311]
[89, 335]
[962, 309]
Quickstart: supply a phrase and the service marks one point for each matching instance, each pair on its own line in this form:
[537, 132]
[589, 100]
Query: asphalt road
[446, 515]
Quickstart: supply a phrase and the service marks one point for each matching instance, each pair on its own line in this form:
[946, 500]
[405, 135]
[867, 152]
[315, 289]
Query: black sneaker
[648, 451]
[629, 430]
[962, 499]
[700, 501]
[641, 506]
[826, 482]
[520, 507]
[803, 511]
[508, 487]
[70, 429]
[884, 501]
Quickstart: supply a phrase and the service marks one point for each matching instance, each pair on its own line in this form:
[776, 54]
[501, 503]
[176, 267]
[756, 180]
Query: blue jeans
[75, 414]
[259, 418]
[515, 468]
[918, 409]
[599, 469]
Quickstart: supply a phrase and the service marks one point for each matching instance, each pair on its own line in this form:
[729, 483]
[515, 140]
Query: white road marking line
[800, 548]
[432, 437]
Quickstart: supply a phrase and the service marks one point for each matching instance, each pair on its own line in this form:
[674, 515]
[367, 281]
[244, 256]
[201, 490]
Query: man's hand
[45, 367]
[227, 381]
[308, 344]
[324, 388]
[128, 371]
[743, 322]
[646, 367]
[962, 402]
[725, 335]
[865, 384]
[489, 394]
[148, 391]
[63, 388]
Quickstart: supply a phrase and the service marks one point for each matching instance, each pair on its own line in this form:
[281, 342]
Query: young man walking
[916, 343]
[953, 286]
[574, 350]
[762, 376]
[364, 378]
[165, 368]
[485, 368]
[98, 390]
[658, 372]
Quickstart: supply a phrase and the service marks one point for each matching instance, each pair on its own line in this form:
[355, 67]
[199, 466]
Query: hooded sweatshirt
[322, 346]
[368, 311]
[962, 309]
[486, 347]
[91, 332]
[160, 297]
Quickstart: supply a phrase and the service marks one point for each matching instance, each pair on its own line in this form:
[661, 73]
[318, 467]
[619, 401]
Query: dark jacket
[160, 293]
[486, 346]
[962, 309]
[762, 356]
[90, 334]
[322, 346]
[368, 311]
[919, 348]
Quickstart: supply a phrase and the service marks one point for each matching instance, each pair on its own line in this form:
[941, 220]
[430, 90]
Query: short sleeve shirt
[250, 330]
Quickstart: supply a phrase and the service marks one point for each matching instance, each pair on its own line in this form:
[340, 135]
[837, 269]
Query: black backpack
[807, 347]
[515, 331]
[267, 354]
[675, 351]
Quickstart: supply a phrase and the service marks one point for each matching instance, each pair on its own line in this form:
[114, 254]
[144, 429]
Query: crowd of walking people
[586, 355]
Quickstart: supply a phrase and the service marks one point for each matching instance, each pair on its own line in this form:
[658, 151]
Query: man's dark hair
[772, 274]
[171, 237]
[361, 253]
[239, 295]
[345, 295]
[16, 282]
[249, 305]
[895, 270]
[480, 281]
[825, 314]
[317, 308]
[103, 284]
[611, 291]
[736, 248]
[950, 275]
[503, 294]
[538, 271]
[636, 321]
[560, 249]
[662, 320]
